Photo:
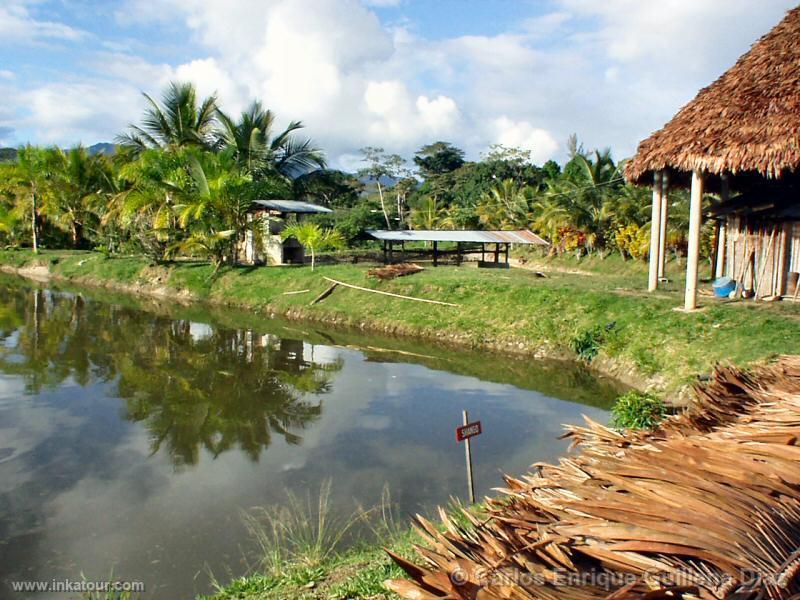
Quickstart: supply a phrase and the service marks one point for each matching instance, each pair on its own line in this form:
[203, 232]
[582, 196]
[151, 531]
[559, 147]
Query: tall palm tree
[506, 205]
[178, 121]
[79, 181]
[28, 181]
[258, 151]
[212, 206]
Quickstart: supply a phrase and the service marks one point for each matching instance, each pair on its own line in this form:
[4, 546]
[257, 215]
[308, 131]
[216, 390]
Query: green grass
[650, 342]
[636, 410]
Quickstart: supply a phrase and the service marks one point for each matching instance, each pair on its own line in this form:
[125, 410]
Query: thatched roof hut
[741, 130]
[747, 120]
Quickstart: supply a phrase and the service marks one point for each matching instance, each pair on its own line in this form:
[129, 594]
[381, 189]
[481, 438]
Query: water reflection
[191, 386]
[133, 433]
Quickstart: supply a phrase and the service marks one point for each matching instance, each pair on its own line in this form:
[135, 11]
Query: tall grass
[304, 531]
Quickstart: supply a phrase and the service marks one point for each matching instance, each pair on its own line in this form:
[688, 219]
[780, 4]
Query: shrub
[586, 344]
[637, 410]
[633, 240]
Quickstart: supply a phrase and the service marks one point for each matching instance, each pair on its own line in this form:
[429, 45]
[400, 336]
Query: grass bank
[598, 308]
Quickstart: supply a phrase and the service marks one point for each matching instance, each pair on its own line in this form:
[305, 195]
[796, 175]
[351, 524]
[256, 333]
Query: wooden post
[468, 451]
[497, 253]
[782, 268]
[655, 231]
[662, 234]
[693, 255]
[722, 231]
[722, 247]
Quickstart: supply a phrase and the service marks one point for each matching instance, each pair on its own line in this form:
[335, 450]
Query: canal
[133, 434]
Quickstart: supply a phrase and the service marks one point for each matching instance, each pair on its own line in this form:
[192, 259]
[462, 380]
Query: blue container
[723, 287]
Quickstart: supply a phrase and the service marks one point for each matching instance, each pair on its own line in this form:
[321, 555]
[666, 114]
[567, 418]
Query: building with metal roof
[466, 242]
[289, 206]
[522, 236]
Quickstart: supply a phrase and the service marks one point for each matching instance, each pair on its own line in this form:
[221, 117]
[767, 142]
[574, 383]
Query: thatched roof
[707, 505]
[747, 120]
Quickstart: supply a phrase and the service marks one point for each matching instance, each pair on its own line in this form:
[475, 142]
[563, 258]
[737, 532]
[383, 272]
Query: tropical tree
[79, 184]
[212, 205]
[258, 151]
[427, 215]
[380, 166]
[177, 122]
[147, 192]
[505, 206]
[27, 183]
[313, 237]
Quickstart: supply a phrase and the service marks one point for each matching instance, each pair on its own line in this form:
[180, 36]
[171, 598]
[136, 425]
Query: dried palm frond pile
[706, 506]
[392, 271]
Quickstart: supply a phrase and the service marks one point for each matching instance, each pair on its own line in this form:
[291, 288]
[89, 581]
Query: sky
[396, 74]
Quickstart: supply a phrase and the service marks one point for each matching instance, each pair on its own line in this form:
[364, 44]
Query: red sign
[467, 431]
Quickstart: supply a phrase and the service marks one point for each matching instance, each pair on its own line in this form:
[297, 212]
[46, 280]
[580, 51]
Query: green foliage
[438, 158]
[314, 237]
[587, 343]
[633, 240]
[637, 410]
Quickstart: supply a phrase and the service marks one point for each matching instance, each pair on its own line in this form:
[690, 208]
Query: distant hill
[101, 148]
[8, 154]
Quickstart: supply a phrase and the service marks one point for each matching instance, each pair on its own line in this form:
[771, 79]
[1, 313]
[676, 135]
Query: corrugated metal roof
[291, 206]
[488, 237]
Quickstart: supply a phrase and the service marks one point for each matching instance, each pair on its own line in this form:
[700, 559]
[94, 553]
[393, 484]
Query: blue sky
[392, 73]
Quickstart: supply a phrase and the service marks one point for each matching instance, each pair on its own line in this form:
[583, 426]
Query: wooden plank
[363, 289]
[324, 294]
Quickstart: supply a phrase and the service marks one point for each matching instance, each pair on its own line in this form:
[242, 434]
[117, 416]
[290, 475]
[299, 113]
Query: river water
[133, 434]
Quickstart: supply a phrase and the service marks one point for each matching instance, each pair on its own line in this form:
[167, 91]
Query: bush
[586, 344]
[633, 241]
[637, 410]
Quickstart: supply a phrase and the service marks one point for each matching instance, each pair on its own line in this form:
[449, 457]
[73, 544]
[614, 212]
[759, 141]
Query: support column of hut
[693, 253]
[655, 232]
[662, 241]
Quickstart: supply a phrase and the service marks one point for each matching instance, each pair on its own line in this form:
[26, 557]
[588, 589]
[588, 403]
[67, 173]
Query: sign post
[463, 434]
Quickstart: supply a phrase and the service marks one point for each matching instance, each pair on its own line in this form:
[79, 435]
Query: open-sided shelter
[740, 138]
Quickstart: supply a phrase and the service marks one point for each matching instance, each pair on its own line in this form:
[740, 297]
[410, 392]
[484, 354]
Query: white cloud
[522, 134]
[67, 113]
[17, 25]
[611, 72]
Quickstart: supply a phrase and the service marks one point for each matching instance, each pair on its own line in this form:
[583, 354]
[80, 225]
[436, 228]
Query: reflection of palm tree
[216, 393]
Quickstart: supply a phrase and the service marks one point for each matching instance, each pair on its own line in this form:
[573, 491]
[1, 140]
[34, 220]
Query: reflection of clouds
[115, 504]
[200, 331]
[24, 422]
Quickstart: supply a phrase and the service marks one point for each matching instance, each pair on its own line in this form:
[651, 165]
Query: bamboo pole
[693, 255]
[767, 255]
[781, 268]
[655, 230]
[363, 289]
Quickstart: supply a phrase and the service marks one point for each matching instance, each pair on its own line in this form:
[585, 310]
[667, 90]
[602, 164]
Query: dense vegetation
[181, 181]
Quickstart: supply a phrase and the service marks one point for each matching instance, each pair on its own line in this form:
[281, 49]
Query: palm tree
[212, 205]
[506, 205]
[257, 151]
[28, 181]
[426, 216]
[178, 121]
[78, 182]
[313, 237]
